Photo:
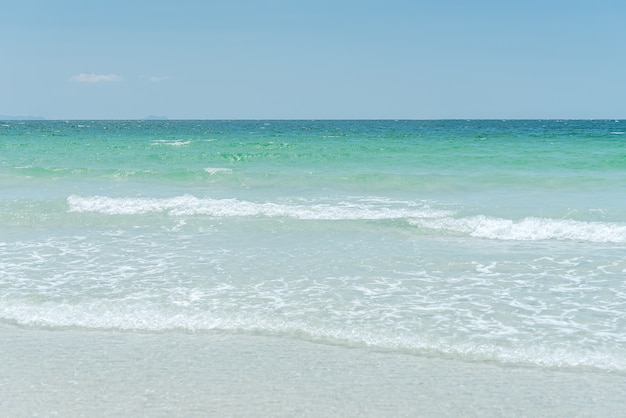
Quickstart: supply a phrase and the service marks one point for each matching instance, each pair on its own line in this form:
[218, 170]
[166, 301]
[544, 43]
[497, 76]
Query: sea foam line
[142, 318]
[419, 214]
[190, 205]
[528, 229]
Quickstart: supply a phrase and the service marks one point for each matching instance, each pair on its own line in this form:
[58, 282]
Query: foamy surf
[528, 229]
[420, 214]
[188, 205]
[137, 317]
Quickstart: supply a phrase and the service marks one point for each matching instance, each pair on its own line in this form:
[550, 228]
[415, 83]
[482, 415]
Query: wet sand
[76, 372]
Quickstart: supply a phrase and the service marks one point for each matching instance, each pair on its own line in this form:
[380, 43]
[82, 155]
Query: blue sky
[273, 59]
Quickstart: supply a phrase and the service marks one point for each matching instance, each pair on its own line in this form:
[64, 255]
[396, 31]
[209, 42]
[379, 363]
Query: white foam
[214, 170]
[143, 318]
[188, 205]
[172, 143]
[528, 229]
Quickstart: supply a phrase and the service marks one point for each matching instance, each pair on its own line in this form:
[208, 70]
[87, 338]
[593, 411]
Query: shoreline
[74, 372]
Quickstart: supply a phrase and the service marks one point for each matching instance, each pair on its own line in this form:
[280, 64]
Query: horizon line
[166, 119]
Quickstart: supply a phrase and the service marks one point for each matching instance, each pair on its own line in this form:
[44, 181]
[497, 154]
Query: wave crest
[419, 214]
[528, 229]
[190, 205]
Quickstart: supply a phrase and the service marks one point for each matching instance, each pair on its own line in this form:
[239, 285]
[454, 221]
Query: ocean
[481, 264]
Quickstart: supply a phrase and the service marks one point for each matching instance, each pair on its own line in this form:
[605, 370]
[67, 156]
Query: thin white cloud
[158, 79]
[95, 78]
[155, 78]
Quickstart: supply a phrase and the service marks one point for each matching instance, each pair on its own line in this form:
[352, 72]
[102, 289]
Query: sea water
[478, 242]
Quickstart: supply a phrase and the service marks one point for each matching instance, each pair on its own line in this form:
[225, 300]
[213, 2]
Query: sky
[322, 59]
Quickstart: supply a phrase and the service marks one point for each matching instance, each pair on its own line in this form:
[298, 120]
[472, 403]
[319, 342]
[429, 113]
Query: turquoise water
[491, 241]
